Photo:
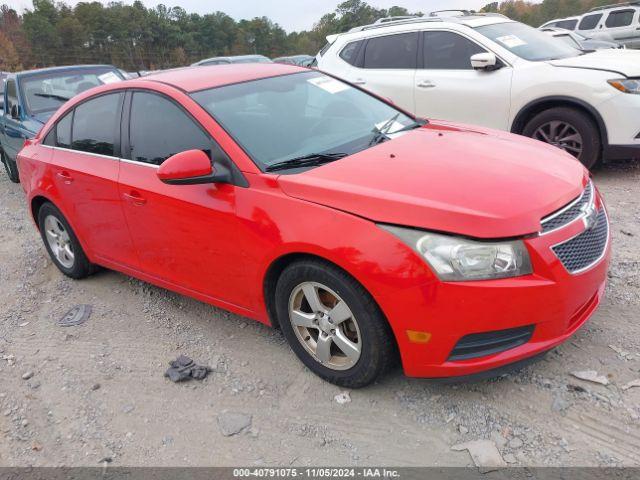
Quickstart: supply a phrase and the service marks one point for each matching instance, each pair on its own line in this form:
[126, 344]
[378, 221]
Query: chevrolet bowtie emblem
[590, 216]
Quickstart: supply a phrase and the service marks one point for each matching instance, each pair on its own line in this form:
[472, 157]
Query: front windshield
[46, 91]
[527, 42]
[292, 116]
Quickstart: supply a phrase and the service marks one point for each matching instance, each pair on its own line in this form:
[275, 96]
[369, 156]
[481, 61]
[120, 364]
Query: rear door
[448, 88]
[184, 234]
[386, 65]
[85, 168]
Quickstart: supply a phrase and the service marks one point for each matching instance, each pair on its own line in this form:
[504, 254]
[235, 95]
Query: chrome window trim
[596, 261]
[109, 157]
[591, 190]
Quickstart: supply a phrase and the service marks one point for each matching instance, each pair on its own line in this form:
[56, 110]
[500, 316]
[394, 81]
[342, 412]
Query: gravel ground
[95, 393]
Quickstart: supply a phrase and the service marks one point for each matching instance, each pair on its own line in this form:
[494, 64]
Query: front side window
[46, 91]
[448, 51]
[292, 116]
[392, 51]
[96, 125]
[620, 18]
[527, 42]
[590, 22]
[12, 95]
[160, 129]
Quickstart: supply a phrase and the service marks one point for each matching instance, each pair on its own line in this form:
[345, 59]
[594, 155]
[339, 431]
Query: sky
[292, 15]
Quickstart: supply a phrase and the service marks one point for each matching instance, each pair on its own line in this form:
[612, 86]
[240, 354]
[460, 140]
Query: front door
[448, 88]
[185, 235]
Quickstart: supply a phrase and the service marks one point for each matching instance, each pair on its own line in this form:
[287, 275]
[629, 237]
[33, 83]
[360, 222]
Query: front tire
[62, 244]
[333, 324]
[568, 129]
[10, 167]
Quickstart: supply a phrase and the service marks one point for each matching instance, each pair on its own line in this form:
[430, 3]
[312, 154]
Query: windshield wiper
[52, 95]
[380, 134]
[311, 160]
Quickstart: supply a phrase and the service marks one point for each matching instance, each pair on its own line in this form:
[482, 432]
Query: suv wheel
[62, 244]
[332, 324]
[11, 168]
[568, 129]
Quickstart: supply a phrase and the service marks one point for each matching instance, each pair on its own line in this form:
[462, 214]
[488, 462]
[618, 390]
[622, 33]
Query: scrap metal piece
[76, 316]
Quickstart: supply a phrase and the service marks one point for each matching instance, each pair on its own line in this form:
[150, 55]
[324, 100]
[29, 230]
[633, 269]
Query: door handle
[66, 178]
[135, 198]
[359, 81]
[426, 84]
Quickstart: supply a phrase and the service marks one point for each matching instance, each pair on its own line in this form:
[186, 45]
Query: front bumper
[556, 302]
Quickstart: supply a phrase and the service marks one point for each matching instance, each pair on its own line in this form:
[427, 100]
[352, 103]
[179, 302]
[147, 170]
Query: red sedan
[293, 198]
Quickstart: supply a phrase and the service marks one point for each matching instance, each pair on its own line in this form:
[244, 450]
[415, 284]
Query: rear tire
[568, 129]
[10, 167]
[62, 244]
[360, 343]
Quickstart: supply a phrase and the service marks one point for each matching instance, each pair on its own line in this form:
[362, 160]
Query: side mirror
[187, 168]
[15, 112]
[484, 61]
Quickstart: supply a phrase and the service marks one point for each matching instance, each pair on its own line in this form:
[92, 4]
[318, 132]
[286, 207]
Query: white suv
[489, 70]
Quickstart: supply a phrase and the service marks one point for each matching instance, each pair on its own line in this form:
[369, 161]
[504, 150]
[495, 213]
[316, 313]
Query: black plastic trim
[477, 345]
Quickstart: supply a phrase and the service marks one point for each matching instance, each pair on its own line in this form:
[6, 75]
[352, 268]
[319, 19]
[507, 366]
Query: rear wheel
[568, 129]
[62, 244]
[11, 168]
[332, 324]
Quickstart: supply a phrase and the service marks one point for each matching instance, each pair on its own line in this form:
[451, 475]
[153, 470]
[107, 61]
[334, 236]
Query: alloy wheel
[562, 135]
[59, 241]
[325, 325]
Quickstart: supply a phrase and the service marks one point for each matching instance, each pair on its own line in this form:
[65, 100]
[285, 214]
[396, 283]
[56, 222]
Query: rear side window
[392, 51]
[350, 52]
[95, 124]
[620, 18]
[590, 22]
[567, 24]
[160, 129]
[63, 131]
[448, 51]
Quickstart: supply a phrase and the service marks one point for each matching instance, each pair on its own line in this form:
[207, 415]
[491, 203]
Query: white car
[488, 70]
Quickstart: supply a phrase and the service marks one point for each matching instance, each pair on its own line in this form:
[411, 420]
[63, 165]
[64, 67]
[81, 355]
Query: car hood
[622, 62]
[468, 181]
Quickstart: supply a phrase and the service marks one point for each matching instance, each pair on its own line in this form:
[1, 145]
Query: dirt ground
[97, 392]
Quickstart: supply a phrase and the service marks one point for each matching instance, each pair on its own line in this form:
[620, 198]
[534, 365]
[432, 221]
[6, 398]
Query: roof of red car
[192, 79]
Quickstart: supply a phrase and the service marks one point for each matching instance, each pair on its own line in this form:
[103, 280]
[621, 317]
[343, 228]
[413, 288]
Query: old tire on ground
[569, 129]
[62, 244]
[333, 324]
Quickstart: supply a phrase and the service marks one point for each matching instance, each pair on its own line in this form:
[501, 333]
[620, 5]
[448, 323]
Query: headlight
[457, 259]
[630, 85]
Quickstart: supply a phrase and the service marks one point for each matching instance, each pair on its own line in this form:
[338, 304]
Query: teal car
[31, 97]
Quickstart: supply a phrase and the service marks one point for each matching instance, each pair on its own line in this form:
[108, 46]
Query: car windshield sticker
[511, 41]
[329, 84]
[109, 77]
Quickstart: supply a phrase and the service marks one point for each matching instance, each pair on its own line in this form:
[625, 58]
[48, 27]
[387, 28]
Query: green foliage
[135, 37]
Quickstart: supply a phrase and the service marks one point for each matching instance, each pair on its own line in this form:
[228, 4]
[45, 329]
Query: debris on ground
[484, 453]
[631, 384]
[27, 375]
[76, 316]
[233, 423]
[184, 368]
[342, 398]
[591, 376]
[623, 354]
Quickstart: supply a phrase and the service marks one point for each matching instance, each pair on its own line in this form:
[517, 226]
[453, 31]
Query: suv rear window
[620, 18]
[590, 22]
[350, 52]
[392, 51]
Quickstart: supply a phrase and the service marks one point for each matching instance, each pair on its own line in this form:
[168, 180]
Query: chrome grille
[569, 212]
[585, 250]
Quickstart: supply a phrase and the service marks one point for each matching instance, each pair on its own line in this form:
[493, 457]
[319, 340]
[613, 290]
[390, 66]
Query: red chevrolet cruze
[291, 197]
